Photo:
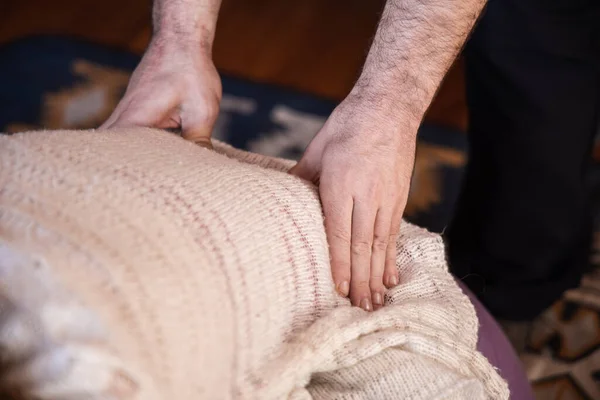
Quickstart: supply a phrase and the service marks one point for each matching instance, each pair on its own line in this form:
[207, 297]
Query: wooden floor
[315, 46]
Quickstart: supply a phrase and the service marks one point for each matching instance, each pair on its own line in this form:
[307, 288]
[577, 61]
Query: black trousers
[521, 232]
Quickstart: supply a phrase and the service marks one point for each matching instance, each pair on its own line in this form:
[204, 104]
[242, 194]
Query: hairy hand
[363, 164]
[172, 88]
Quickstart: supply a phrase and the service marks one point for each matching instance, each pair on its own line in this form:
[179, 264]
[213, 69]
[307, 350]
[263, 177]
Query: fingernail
[344, 288]
[392, 281]
[365, 304]
[377, 299]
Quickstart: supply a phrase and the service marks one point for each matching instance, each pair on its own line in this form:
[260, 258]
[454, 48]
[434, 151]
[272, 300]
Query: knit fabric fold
[137, 265]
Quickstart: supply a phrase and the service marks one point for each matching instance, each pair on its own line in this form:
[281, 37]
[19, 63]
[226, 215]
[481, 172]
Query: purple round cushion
[495, 346]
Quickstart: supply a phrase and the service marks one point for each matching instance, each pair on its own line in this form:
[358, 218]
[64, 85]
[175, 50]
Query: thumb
[309, 166]
[305, 169]
[114, 116]
[198, 130]
[148, 113]
[142, 108]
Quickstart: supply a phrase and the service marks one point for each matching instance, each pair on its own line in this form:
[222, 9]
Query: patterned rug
[57, 82]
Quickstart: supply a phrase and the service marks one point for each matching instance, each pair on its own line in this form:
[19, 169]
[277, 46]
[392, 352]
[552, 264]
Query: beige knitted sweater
[136, 265]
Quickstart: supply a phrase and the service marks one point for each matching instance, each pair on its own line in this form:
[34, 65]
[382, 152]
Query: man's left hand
[362, 160]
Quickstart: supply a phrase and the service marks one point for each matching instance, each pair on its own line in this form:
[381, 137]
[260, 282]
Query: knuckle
[378, 289]
[391, 257]
[380, 242]
[376, 278]
[205, 116]
[361, 247]
[369, 195]
[390, 266]
[376, 284]
[340, 268]
[361, 285]
[333, 210]
[375, 187]
[340, 235]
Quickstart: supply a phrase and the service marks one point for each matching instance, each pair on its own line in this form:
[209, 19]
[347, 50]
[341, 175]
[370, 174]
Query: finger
[309, 166]
[197, 125]
[114, 115]
[198, 133]
[145, 114]
[110, 121]
[302, 170]
[337, 209]
[363, 222]
[379, 253]
[123, 105]
[305, 168]
[145, 109]
[390, 276]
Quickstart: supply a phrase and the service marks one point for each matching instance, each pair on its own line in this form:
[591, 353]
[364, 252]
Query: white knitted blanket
[136, 265]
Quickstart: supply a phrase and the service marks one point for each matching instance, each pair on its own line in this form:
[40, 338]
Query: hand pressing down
[172, 88]
[362, 162]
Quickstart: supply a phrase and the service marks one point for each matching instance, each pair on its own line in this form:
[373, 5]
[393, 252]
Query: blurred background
[312, 46]
[284, 65]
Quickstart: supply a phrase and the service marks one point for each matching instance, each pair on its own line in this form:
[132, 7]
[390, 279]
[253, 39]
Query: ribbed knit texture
[137, 265]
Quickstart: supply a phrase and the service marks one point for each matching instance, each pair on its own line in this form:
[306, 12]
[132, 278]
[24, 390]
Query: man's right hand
[175, 86]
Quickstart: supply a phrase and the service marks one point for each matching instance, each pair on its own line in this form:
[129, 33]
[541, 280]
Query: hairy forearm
[415, 44]
[186, 21]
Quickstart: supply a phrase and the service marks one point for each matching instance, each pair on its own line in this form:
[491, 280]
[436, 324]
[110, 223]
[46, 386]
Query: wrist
[388, 107]
[185, 24]
[170, 44]
[399, 93]
[358, 115]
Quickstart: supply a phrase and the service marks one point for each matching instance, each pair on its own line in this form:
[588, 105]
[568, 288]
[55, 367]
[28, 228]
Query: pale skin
[362, 158]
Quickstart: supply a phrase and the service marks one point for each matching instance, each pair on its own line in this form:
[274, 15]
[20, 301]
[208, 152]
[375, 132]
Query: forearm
[186, 22]
[415, 44]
